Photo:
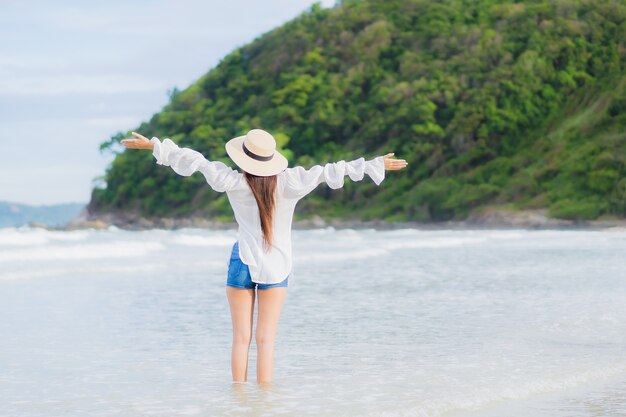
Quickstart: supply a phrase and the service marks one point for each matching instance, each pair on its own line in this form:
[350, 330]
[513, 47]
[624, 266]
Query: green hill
[513, 104]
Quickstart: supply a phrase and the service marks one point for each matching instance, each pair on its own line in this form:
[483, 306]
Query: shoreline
[493, 219]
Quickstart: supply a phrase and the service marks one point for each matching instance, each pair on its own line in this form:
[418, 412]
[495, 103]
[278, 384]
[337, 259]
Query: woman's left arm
[392, 164]
[300, 181]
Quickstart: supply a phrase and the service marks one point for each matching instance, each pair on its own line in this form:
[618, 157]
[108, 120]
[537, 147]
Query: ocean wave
[505, 235]
[383, 248]
[196, 240]
[11, 236]
[477, 398]
[438, 242]
[341, 255]
[127, 249]
[75, 270]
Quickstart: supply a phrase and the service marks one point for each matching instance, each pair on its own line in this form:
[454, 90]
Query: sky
[74, 73]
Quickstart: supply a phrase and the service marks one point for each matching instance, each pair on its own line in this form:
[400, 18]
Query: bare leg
[241, 303]
[270, 304]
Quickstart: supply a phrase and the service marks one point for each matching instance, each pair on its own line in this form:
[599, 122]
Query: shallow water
[384, 323]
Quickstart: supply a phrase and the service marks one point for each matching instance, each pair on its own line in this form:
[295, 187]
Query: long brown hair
[264, 190]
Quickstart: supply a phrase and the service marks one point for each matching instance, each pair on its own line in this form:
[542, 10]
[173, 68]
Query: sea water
[406, 322]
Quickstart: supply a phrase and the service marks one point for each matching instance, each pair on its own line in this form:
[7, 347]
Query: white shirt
[292, 185]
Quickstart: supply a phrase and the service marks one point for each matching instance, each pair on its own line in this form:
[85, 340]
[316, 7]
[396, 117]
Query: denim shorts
[239, 274]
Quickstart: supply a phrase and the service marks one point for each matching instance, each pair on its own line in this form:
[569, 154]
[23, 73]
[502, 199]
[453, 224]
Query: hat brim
[274, 166]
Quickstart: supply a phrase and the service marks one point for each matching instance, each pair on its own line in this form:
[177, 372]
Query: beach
[399, 322]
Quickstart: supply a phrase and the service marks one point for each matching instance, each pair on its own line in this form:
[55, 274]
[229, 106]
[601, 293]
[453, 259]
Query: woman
[263, 199]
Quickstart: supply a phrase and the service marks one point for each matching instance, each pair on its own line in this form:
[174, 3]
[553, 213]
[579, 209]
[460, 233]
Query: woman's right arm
[186, 161]
[300, 181]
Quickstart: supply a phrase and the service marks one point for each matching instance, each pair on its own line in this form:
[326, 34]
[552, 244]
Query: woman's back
[292, 185]
[271, 266]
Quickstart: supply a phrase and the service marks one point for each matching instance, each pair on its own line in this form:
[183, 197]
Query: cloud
[112, 123]
[182, 18]
[107, 48]
[73, 73]
[72, 83]
[13, 64]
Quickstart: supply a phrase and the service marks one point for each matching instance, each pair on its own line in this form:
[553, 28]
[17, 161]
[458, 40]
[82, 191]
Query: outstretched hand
[394, 164]
[139, 142]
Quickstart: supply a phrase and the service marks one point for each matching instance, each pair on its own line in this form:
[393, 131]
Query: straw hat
[256, 153]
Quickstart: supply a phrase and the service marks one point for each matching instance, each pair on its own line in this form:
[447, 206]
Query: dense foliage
[519, 104]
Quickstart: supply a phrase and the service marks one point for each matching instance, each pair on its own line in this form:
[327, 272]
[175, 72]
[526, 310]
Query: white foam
[322, 231]
[12, 237]
[37, 236]
[506, 235]
[124, 249]
[83, 271]
[476, 398]
[341, 255]
[438, 242]
[385, 247]
[73, 236]
[195, 240]
[348, 252]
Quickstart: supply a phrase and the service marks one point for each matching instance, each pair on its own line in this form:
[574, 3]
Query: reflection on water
[606, 397]
[403, 322]
[253, 399]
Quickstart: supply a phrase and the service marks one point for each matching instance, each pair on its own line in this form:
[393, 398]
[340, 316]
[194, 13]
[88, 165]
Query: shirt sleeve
[300, 181]
[186, 161]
